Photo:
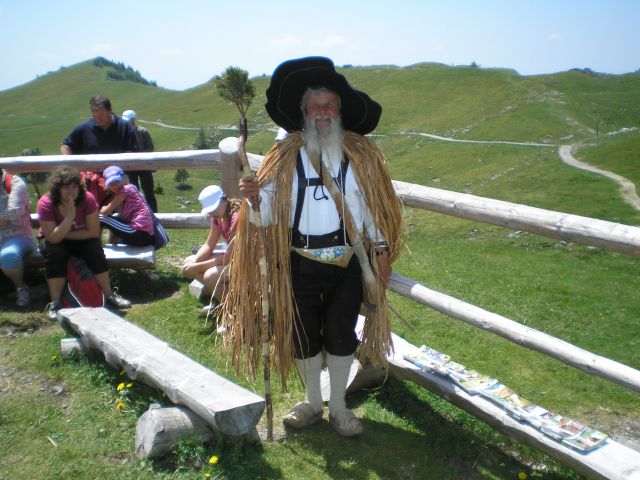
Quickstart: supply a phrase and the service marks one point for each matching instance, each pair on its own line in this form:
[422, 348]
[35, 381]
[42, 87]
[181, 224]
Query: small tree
[181, 176]
[34, 178]
[235, 87]
[201, 142]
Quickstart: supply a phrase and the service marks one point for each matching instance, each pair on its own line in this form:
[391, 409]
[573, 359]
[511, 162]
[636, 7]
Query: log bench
[118, 256]
[223, 405]
[612, 460]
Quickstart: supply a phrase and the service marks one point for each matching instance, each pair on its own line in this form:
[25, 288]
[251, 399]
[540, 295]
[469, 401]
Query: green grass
[582, 295]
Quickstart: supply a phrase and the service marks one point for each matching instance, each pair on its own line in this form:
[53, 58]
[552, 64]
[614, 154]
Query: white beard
[328, 142]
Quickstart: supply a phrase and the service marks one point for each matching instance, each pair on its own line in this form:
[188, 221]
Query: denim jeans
[12, 250]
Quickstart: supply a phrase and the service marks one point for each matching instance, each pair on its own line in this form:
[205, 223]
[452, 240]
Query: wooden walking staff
[264, 287]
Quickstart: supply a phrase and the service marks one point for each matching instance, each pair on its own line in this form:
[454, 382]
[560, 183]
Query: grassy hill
[458, 102]
[583, 295]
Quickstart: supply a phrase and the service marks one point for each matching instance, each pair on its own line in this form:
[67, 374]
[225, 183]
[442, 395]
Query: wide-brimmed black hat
[291, 79]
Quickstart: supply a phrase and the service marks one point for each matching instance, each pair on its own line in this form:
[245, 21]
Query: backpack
[82, 289]
[161, 235]
[7, 182]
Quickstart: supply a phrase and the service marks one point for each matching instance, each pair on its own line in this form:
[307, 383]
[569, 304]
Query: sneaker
[54, 308]
[22, 296]
[116, 301]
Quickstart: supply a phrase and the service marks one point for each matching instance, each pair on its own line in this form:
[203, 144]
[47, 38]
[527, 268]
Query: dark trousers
[328, 301]
[56, 256]
[144, 178]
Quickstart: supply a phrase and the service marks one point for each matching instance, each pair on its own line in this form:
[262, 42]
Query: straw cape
[241, 309]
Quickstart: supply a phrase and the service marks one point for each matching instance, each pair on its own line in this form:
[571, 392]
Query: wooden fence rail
[563, 226]
[610, 236]
[517, 333]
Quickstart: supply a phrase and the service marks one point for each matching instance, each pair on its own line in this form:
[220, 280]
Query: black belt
[332, 239]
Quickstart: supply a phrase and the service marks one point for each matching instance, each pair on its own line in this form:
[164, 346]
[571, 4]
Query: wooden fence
[610, 236]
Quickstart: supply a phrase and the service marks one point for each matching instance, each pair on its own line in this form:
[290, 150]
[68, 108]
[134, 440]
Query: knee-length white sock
[310, 369]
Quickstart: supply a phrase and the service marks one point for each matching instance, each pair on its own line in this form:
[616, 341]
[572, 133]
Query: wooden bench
[118, 256]
[611, 461]
[223, 405]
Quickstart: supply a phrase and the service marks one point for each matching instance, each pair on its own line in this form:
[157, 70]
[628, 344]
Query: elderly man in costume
[322, 191]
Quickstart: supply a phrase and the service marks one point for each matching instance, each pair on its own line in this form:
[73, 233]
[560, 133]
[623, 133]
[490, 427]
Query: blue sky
[182, 44]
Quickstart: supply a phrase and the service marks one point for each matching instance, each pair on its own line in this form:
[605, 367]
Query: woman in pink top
[69, 226]
[208, 266]
[134, 223]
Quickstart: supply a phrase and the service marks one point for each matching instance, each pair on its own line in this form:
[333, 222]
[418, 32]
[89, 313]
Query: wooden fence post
[230, 167]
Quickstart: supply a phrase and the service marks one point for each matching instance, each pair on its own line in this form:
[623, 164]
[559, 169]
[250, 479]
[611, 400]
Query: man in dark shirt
[104, 132]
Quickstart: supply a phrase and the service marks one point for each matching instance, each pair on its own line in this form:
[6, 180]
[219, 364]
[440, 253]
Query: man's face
[323, 109]
[102, 117]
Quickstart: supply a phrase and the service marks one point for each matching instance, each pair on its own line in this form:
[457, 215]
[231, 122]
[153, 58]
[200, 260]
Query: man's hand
[249, 187]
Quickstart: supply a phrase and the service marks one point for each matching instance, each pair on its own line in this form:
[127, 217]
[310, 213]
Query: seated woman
[69, 226]
[206, 266]
[134, 224]
[16, 236]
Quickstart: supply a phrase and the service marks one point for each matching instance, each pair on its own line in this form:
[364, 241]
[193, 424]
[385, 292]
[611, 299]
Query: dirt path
[176, 127]
[458, 140]
[627, 188]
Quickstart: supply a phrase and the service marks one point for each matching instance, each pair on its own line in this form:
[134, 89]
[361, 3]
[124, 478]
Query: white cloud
[554, 36]
[100, 48]
[51, 57]
[171, 52]
[286, 41]
[332, 41]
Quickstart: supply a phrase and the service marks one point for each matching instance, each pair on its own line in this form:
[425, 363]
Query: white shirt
[321, 216]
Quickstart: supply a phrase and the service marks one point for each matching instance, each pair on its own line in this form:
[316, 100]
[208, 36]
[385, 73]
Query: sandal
[346, 424]
[301, 415]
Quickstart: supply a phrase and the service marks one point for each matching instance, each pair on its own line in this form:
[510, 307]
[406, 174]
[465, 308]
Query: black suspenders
[304, 182]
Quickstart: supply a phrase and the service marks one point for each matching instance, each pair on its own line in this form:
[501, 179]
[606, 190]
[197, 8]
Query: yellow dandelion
[129, 385]
[54, 358]
[213, 460]
[119, 404]
[522, 476]
[120, 386]
[207, 475]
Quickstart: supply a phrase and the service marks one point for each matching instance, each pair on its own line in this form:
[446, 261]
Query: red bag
[82, 289]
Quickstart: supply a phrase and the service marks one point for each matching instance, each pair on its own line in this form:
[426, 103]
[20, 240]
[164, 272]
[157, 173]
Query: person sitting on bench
[69, 226]
[134, 223]
[16, 236]
[206, 266]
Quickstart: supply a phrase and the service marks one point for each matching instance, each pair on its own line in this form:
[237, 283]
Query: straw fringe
[241, 309]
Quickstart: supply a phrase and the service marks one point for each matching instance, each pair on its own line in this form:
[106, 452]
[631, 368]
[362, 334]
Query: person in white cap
[142, 178]
[208, 266]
